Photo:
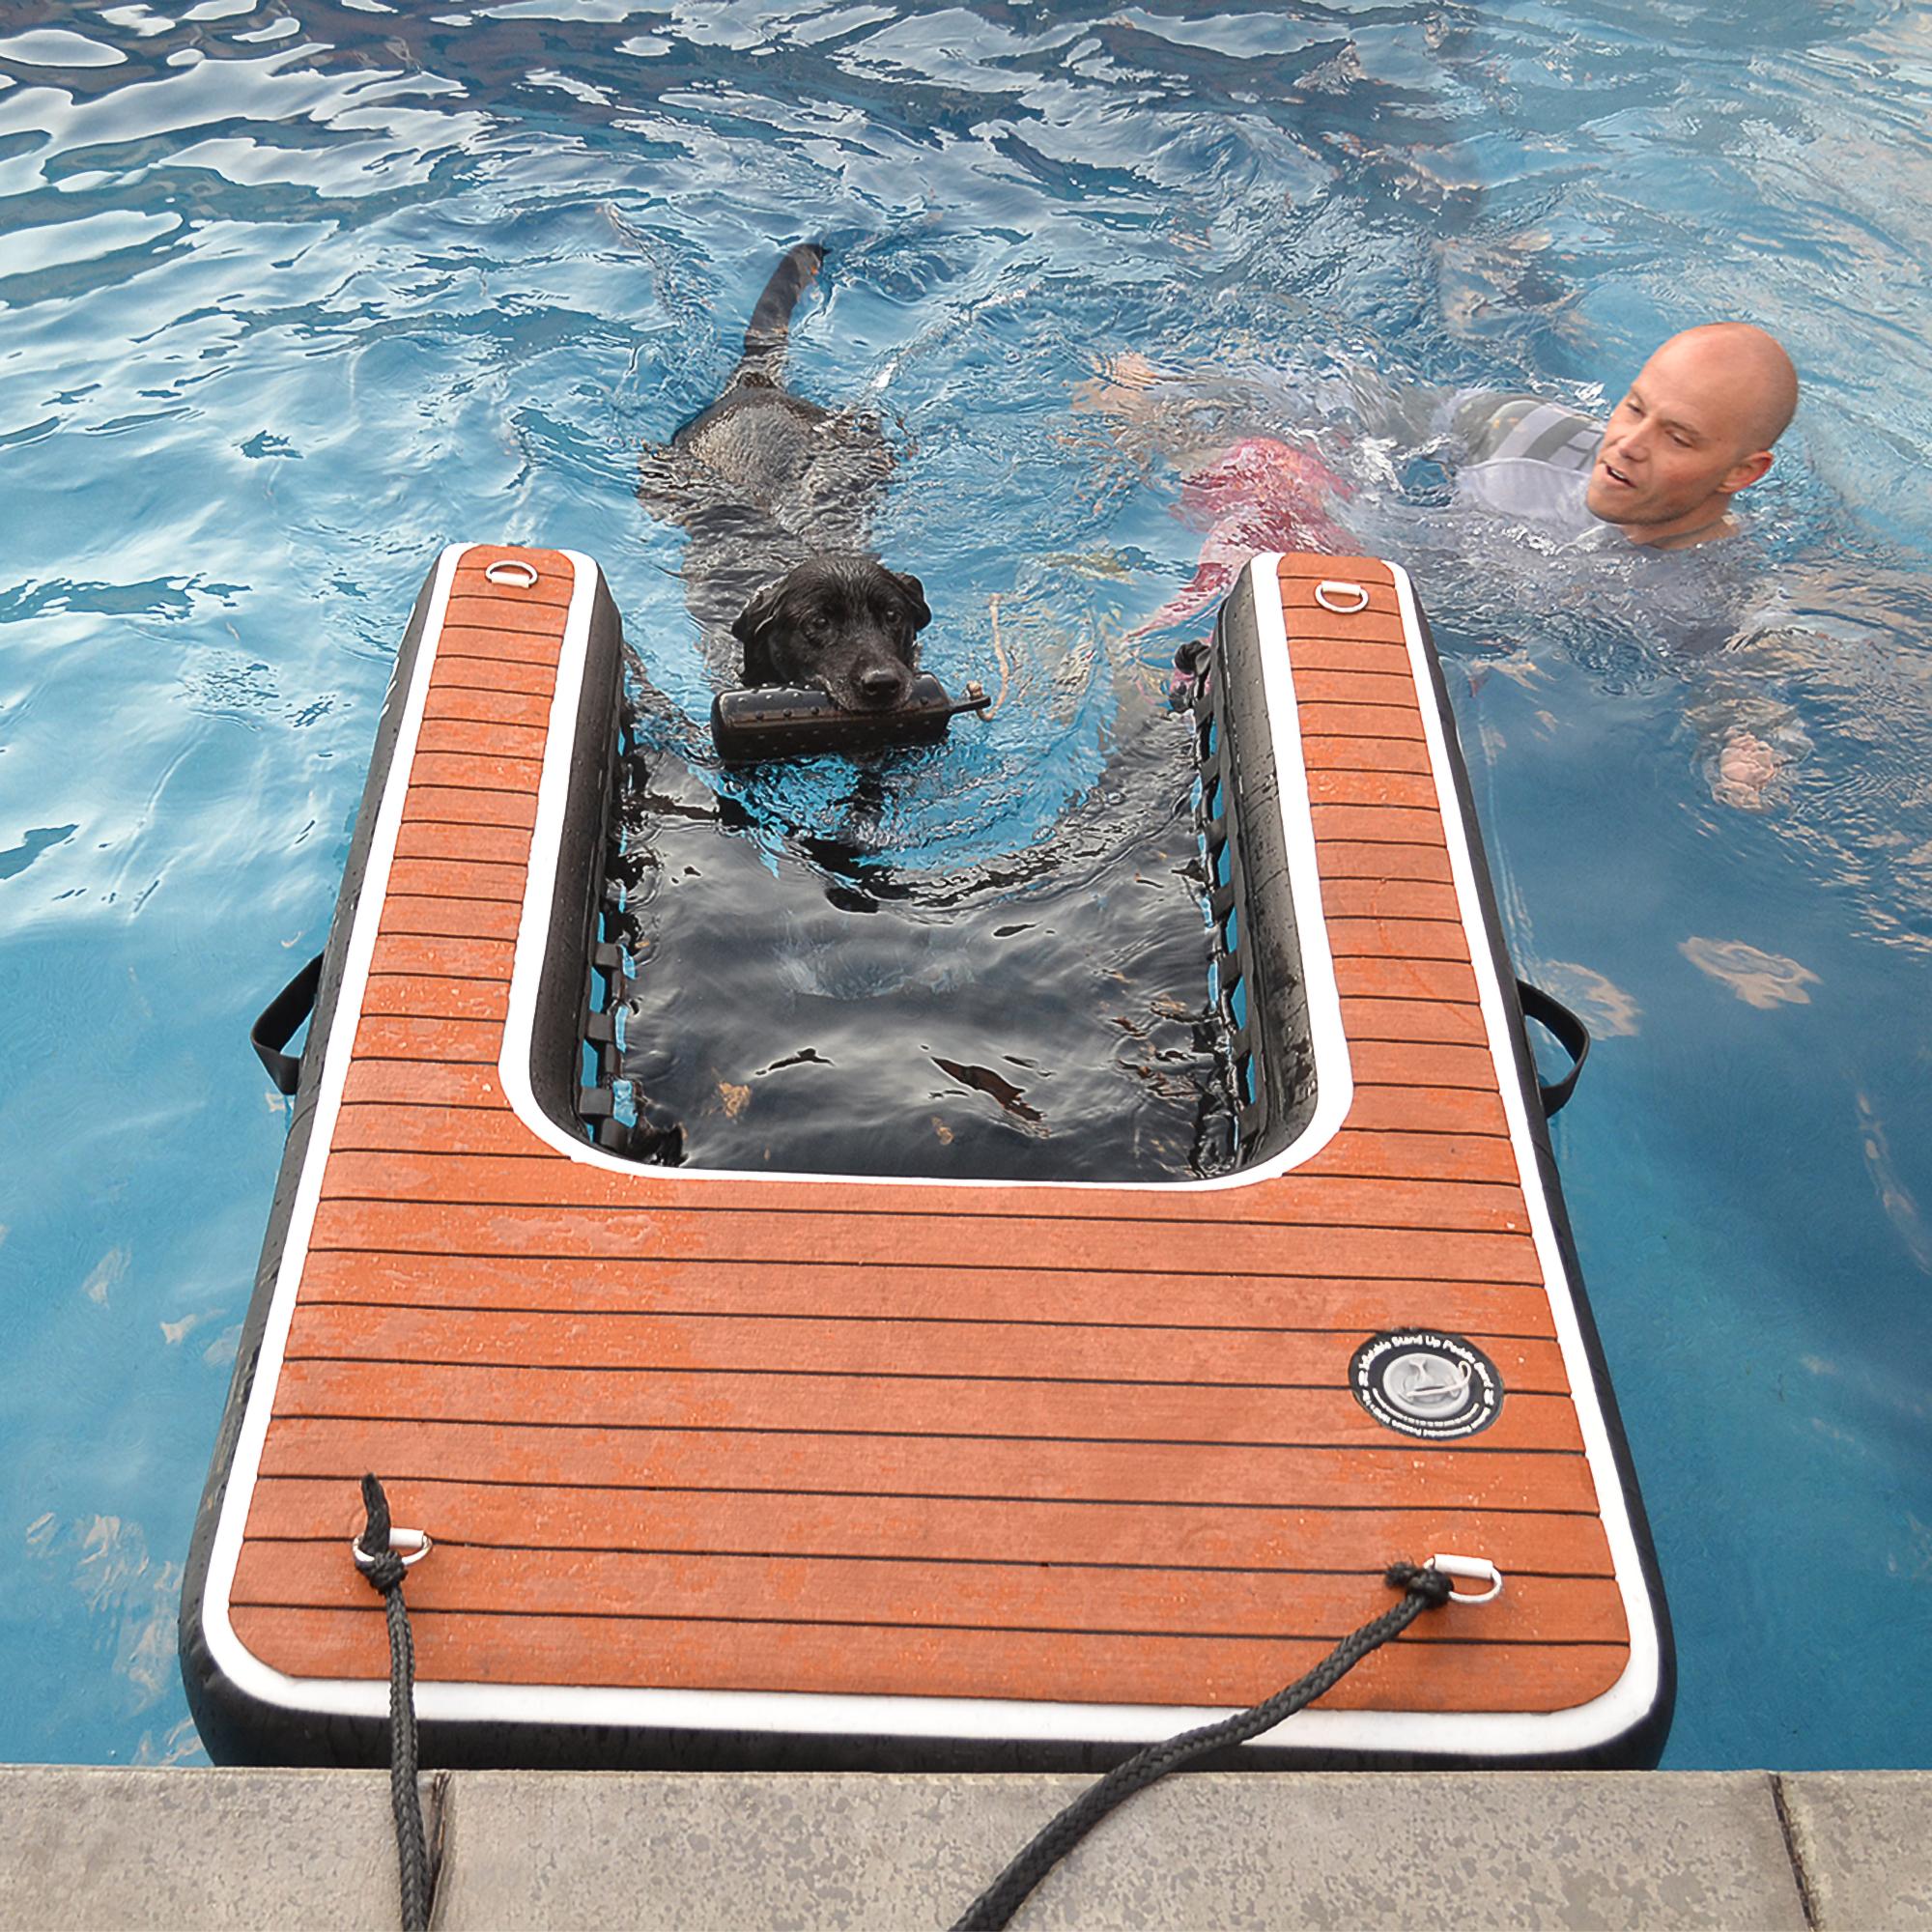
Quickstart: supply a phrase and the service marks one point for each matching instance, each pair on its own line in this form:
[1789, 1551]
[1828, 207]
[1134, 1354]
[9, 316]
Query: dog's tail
[770, 329]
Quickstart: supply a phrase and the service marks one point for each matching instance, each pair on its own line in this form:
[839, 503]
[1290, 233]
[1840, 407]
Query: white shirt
[1532, 461]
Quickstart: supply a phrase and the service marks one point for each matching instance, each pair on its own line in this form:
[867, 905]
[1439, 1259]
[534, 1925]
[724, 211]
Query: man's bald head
[1696, 427]
[1745, 372]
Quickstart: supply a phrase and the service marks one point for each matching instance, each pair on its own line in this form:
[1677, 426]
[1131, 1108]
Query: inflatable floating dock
[723, 1469]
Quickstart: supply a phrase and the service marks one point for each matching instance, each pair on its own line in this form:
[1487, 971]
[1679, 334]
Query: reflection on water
[292, 293]
[818, 991]
[1758, 978]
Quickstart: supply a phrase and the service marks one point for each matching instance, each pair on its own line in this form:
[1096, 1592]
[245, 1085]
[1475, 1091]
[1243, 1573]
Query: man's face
[1673, 455]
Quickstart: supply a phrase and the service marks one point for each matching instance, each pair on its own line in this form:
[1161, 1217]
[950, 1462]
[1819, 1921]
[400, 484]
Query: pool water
[292, 294]
[818, 986]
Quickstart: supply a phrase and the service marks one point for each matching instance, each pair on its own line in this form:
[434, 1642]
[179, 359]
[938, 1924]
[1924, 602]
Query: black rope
[383, 1569]
[994, 1907]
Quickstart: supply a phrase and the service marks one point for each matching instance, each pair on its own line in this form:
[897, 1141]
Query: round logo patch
[1425, 1384]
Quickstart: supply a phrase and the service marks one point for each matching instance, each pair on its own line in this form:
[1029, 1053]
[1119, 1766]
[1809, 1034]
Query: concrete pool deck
[1755, 1850]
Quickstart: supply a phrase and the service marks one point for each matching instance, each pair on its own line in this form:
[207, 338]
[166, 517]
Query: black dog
[778, 495]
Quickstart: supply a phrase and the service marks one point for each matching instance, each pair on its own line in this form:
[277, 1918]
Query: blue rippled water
[292, 294]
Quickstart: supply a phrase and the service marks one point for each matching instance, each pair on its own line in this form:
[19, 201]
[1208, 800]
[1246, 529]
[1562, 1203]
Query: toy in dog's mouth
[781, 722]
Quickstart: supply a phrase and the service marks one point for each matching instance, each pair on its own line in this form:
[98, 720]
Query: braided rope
[384, 1571]
[994, 1907]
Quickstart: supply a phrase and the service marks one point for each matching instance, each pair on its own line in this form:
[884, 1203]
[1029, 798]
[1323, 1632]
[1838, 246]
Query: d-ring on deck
[805, 1471]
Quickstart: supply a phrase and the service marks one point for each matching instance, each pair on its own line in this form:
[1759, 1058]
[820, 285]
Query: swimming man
[1694, 429]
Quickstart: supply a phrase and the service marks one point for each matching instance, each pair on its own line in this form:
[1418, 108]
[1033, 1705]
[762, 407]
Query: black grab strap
[276, 1026]
[1571, 1033]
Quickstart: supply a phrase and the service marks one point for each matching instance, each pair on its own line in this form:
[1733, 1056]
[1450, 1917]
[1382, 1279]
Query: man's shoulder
[1530, 429]
[1531, 487]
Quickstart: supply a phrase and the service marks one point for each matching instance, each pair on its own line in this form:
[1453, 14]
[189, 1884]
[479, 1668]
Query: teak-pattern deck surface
[985, 1442]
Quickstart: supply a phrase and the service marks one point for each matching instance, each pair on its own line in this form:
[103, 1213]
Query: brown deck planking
[730, 1433]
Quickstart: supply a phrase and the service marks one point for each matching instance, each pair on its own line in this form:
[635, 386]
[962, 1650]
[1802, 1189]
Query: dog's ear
[752, 630]
[915, 590]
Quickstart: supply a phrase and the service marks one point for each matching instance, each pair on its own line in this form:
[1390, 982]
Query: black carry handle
[276, 1026]
[1572, 1034]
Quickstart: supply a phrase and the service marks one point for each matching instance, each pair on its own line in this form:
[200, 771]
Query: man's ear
[1746, 472]
[753, 630]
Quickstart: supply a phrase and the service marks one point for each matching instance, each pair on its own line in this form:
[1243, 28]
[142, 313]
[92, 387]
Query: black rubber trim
[1640, 1747]
[1273, 1055]
[234, 1727]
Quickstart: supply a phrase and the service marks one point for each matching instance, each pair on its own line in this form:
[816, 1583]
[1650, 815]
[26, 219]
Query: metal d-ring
[410, 1545]
[507, 570]
[1337, 594]
[1472, 1570]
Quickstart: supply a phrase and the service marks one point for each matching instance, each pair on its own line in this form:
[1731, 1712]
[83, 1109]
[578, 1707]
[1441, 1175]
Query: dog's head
[844, 625]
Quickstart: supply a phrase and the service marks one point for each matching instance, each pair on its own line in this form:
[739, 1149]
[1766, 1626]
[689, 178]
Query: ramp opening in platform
[1118, 1001]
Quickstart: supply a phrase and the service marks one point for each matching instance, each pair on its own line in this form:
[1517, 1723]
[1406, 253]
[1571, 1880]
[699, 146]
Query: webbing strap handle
[278, 1025]
[1571, 1033]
